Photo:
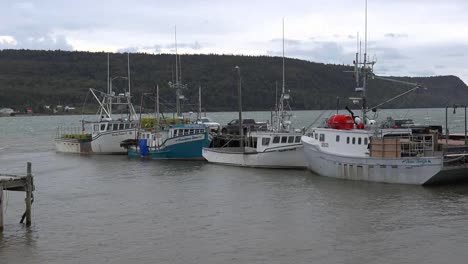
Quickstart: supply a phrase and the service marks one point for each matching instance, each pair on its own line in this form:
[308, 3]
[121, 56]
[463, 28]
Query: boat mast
[364, 84]
[177, 83]
[364, 71]
[281, 112]
[241, 127]
[128, 69]
[199, 102]
[108, 75]
[157, 104]
[176, 73]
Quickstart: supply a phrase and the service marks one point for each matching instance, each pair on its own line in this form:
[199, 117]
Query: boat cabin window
[265, 141]
[347, 140]
[103, 127]
[96, 128]
[253, 142]
[175, 132]
[298, 139]
[291, 139]
[276, 140]
[115, 127]
[284, 139]
[192, 131]
[127, 126]
[316, 136]
[322, 137]
[354, 140]
[365, 141]
[359, 141]
[337, 138]
[121, 126]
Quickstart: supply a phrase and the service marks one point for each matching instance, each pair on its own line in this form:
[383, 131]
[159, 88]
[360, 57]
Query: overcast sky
[407, 37]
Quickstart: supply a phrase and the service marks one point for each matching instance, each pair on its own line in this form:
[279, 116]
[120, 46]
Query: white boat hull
[407, 170]
[290, 157]
[65, 145]
[109, 142]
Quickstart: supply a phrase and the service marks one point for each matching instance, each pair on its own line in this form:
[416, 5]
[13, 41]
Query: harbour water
[111, 209]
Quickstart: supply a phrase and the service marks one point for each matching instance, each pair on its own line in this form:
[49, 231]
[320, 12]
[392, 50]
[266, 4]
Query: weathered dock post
[28, 194]
[1, 208]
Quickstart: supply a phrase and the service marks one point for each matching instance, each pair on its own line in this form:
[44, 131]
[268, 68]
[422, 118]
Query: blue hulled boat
[180, 141]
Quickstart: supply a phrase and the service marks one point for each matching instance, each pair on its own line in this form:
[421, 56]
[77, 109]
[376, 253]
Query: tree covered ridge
[36, 78]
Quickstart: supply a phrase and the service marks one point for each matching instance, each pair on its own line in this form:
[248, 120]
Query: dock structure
[22, 183]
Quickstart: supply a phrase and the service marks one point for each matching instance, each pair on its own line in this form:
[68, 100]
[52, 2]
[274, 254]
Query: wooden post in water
[28, 194]
[1, 209]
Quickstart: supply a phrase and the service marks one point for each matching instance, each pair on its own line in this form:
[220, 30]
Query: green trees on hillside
[37, 78]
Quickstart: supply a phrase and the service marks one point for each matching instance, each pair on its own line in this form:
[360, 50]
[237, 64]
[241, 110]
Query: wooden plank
[13, 183]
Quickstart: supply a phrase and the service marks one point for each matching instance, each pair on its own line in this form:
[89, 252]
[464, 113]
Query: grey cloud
[38, 42]
[155, 48]
[287, 42]
[386, 53]
[426, 72]
[455, 54]
[152, 49]
[193, 45]
[128, 49]
[317, 51]
[396, 35]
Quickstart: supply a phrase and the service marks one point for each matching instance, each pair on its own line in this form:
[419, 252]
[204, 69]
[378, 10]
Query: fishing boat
[109, 129]
[180, 140]
[358, 148]
[279, 147]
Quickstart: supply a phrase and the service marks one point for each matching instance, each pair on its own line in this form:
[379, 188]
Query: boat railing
[71, 133]
[420, 145]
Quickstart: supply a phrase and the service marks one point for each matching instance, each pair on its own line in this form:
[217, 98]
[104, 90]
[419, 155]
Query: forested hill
[37, 78]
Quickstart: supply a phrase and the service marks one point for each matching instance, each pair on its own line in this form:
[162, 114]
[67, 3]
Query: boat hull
[109, 142]
[188, 147]
[66, 145]
[287, 158]
[408, 170]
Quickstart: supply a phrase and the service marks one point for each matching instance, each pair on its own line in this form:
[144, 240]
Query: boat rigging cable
[313, 123]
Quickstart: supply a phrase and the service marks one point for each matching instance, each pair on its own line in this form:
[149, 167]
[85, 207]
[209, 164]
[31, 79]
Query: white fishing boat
[109, 129]
[357, 148]
[280, 147]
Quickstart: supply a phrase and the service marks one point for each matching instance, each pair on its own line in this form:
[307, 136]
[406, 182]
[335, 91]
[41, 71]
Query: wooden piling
[28, 194]
[1, 208]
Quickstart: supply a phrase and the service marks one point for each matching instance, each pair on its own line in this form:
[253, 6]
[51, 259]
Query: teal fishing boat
[180, 141]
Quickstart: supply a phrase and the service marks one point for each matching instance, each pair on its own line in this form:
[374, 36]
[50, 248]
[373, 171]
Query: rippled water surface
[111, 209]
